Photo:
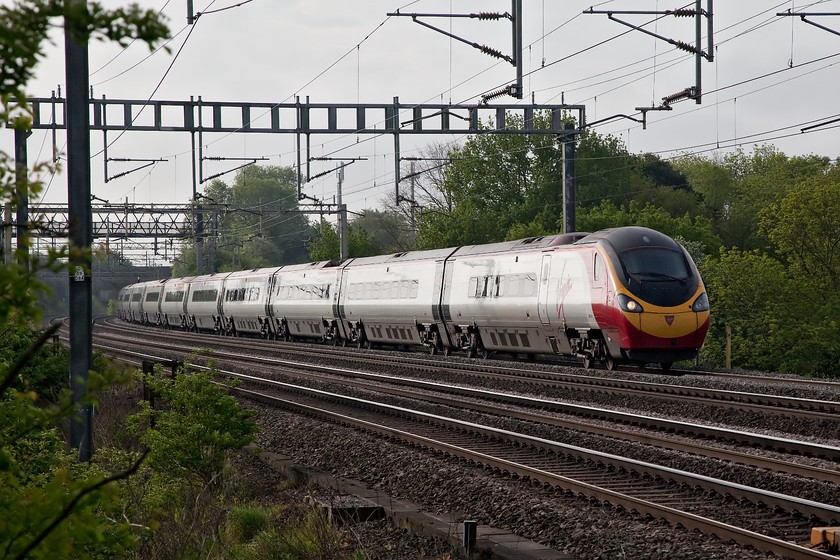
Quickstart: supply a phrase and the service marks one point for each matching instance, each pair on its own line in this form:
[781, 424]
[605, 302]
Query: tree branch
[65, 513]
[15, 371]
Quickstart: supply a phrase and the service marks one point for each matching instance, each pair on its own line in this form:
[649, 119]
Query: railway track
[549, 462]
[815, 409]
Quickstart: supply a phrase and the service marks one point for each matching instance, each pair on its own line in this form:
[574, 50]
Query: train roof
[630, 237]
[216, 276]
[318, 265]
[430, 255]
[529, 243]
[251, 272]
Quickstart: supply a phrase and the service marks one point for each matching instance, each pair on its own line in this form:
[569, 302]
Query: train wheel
[471, 352]
[433, 349]
[610, 363]
[587, 361]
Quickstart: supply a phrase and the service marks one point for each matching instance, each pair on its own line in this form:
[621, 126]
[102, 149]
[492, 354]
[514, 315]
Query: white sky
[337, 51]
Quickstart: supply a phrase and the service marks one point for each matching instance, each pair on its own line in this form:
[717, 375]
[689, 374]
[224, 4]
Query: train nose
[673, 328]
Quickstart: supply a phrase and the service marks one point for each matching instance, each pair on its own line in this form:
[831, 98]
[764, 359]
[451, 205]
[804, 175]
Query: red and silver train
[622, 295]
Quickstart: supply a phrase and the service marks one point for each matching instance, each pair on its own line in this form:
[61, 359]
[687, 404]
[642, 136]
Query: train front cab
[654, 307]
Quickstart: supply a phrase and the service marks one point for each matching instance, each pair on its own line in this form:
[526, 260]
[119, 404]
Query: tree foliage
[191, 437]
[804, 226]
[24, 26]
[327, 246]
[494, 182]
[259, 225]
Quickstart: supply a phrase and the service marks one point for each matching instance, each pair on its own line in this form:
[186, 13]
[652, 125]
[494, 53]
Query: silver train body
[558, 294]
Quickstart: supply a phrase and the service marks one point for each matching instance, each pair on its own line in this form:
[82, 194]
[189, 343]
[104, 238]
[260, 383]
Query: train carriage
[150, 303]
[134, 303]
[496, 296]
[123, 298]
[303, 302]
[245, 301]
[394, 299]
[173, 303]
[204, 306]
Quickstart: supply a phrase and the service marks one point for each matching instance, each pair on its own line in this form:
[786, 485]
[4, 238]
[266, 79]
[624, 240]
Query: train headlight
[701, 303]
[629, 304]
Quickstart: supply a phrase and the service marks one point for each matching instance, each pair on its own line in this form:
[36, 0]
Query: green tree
[192, 436]
[501, 186]
[388, 229]
[735, 188]
[605, 172]
[745, 289]
[804, 226]
[607, 214]
[494, 182]
[178, 497]
[326, 246]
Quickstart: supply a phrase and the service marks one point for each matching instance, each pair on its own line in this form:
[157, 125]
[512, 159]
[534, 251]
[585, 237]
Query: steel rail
[762, 403]
[775, 465]
[642, 421]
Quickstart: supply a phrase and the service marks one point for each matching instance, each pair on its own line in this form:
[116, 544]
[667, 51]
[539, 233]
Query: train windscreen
[658, 275]
[655, 263]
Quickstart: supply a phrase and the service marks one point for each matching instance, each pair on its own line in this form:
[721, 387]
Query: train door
[438, 301]
[599, 286]
[545, 269]
[339, 299]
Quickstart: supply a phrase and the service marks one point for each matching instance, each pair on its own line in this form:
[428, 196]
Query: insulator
[492, 52]
[685, 47]
[494, 94]
[488, 15]
[687, 92]
[684, 12]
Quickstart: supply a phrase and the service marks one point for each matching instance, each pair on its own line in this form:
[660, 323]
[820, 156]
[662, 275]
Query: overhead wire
[125, 47]
[154, 91]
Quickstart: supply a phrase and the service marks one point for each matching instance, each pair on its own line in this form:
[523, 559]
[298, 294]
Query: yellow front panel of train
[668, 325]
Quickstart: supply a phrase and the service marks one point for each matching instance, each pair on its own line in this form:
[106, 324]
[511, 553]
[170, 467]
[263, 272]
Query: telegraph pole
[342, 216]
[22, 195]
[412, 218]
[569, 182]
[80, 224]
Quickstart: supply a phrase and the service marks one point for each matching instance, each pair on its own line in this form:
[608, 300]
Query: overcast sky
[771, 77]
